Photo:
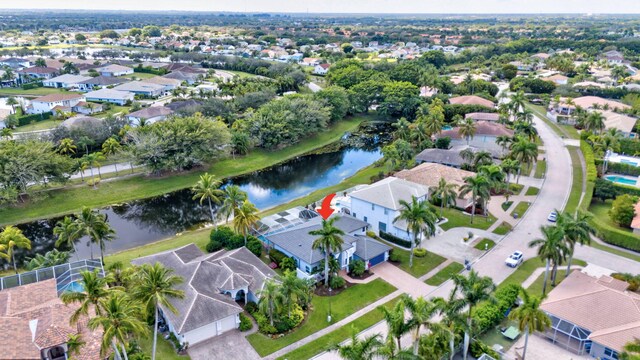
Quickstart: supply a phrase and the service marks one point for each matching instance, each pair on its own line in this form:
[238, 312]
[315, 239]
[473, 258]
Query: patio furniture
[511, 333]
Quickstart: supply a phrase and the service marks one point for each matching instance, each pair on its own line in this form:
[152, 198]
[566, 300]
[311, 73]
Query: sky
[344, 6]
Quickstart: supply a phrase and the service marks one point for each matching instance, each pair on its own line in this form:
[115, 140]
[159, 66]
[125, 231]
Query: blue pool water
[629, 162]
[74, 287]
[446, 127]
[621, 180]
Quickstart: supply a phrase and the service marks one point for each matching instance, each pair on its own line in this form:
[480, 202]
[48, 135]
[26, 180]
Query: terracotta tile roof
[429, 174]
[587, 102]
[482, 128]
[58, 97]
[481, 116]
[600, 305]
[38, 70]
[471, 100]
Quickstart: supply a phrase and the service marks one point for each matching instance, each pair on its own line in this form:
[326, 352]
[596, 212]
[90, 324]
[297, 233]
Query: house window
[611, 353]
[306, 268]
[382, 226]
[386, 211]
[354, 215]
[373, 207]
[365, 219]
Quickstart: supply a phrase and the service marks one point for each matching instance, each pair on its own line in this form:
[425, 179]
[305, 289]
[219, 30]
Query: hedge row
[488, 314]
[28, 119]
[629, 146]
[619, 168]
[615, 236]
[589, 158]
[396, 240]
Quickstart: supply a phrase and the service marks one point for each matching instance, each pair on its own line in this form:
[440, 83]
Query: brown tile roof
[600, 305]
[429, 174]
[482, 128]
[38, 70]
[481, 116]
[471, 100]
[58, 97]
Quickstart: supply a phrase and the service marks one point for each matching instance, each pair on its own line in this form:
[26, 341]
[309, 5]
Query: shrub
[287, 264]
[222, 235]
[213, 246]
[605, 189]
[371, 234]
[488, 314]
[93, 181]
[337, 282]
[396, 240]
[264, 326]
[623, 210]
[297, 315]
[235, 242]
[394, 257]
[620, 168]
[251, 307]
[420, 252]
[477, 348]
[254, 245]
[615, 236]
[276, 256]
[357, 267]
[245, 323]
[28, 119]
[443, 142]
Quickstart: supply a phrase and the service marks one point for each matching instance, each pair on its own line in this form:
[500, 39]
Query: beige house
[472, 100]
[429, 174]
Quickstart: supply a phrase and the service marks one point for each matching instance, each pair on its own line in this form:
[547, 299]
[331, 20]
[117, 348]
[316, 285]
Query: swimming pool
[446, 127]
[621, 180]
[74, 287]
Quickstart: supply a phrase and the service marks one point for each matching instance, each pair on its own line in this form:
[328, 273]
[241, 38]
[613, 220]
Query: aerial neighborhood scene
[290, 180]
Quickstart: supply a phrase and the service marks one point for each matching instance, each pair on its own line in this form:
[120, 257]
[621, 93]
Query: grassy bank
[341, 306]
[526, 269]
[541, 169]
[459, 219]
[445, 274]
[521, 208]
[503, 228]
[66, 201]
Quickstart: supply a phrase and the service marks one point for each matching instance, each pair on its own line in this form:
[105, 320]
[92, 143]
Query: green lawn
[562, 130]
[445, 274]
[342, 305]
[485, 244]
[241, 74]
[521, 208]
[601, 211]
[528, 267]
[576, 185]
[421, 265]
[532, 190]
[506, 205]
[65, 201]
[541, 169]
[139, 76]
[458, 219]
[326, 342]
[115, 109]
[41, 91]
[502, 229]
[164, 349]
[40, 125]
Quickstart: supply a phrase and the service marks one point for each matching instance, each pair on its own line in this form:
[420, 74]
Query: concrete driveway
[231, 345]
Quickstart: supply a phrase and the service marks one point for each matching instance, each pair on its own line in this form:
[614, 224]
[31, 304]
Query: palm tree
[631, 351]
[67, 146]
[233, 198]
[208, 188]
[518, 101]
[89, 223]
[446, 193]
[155, 286]
[397, 326]
[271, 299]
[467, 129]
[525, 116]
[526, 129]
[70, 68]
[434, 124]
[294, 290]
[51, 258]
[576, 230]
[421, 311]
[524, 151]
[92, 160]
[419, 218]
[94, 289]
[356, 349]
[6, 133]
[504, 141]
[10, 239]
[479, 187]
[329, 240]
[11, 101]
[246, 217]
[510, 166]
[482, 158]
[41, 62]
[81, 165]
[453, 320]
[472, 290]
[403, 129]
[594, 122]
[119, 319]
[494, 174]
[74, 344]
[111, 147]
[551, 248]
[530, 317]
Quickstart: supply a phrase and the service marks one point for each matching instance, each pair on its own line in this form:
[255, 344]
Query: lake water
[143, 221]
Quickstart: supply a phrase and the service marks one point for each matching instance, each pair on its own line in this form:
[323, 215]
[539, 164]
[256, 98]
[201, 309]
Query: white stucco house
[149, 115]
[321, 69]
[67, 81]
[114, 70]
[212, 285]
[110, 96]
[46, 103]
[379, 204]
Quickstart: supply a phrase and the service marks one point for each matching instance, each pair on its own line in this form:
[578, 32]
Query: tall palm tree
[104, 233]
[453, 320]
[446, 193]
[467, 129]
[67, 146]
[360, 349]
[94, 289]
[10, 239]
[420, 220]
[111, 147]
[434, 124]
[329, 240]
[481, 158]
[233, 198]
[208, 188]
[510, 166]
[421, 311]
[530, 317]
[526, 129]
[92, 160]
[551, 248]
[245, 218]
[524, 151]
[11, 101]
[403, 129]
[504, 141]
[517, 102]
[472, 290]
[594, 122]
[494, 174]
[271, 299]
[66, 231]
[576, 230]
[155, 287]
[119, 318]
[88, 223]
[479, 187]
[397, 326]
[294, 290]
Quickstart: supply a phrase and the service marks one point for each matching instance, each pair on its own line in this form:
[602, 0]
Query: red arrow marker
[325, 211]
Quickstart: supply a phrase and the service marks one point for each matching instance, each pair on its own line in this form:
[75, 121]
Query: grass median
[459, 219]
[65, 201]
[445, 274]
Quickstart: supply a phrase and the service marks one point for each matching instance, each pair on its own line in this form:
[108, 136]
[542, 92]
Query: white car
[514, 259]
[553, 216]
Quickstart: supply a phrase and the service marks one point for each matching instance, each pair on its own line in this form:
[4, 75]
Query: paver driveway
[232, 345]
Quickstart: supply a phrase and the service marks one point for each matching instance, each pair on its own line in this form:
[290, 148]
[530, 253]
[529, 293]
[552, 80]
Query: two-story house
[379, 204]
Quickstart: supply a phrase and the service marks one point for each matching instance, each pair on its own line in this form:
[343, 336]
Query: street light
[329, 316]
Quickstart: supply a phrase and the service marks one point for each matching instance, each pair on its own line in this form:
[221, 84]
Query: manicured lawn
[421, 265]
[342, 305]
[528, 267]
[241, 74]
[576, 185]
[516, 188]
[115, 109]
[601, 211]
[521, 208]
[40, 125]
[60, 202]
[536, 287]
[532, 190]
[505, 205]
[326, 342]
[164, 349]
[459, 219]
[445, 274]
[485, 244]
[541, 168]
[41, 91]
[140, 76]
[502, 229]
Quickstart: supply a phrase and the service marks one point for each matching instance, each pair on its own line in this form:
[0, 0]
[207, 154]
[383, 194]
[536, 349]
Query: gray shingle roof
[368, 248]
[205, 276]
[103, 80]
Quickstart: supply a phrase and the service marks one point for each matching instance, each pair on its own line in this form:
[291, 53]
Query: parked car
[514, 259]
[553, 216]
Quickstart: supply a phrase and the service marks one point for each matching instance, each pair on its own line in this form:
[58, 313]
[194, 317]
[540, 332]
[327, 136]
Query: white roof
[621, 122]
[109, 94]
[388, 192]
[139, 86]
[69, 79]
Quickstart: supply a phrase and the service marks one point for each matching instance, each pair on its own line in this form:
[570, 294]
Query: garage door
[376, 260]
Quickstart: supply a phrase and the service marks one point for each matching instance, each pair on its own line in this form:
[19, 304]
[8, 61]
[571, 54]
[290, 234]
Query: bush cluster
[224, 237]
[420, 252]
[488, 314]
[254, 245]
[281, 323]
[245, 323]
[620, 168]
[282, 260]
[337, 282]
[357, 267]
[394, 239]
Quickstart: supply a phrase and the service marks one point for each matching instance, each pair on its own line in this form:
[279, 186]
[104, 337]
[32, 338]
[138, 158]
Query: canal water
[143, 221]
